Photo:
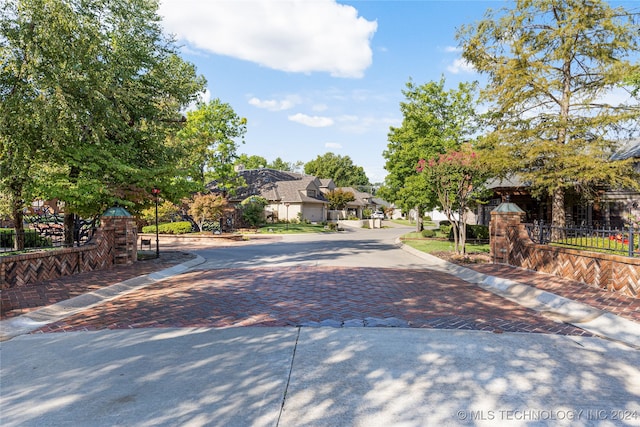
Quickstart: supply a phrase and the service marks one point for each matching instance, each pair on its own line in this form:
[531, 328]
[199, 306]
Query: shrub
[474, 232]
[480, 232]
[253, 210]
[446, 229]
[181, 227]
[31, 239]
[427, 218]
[332, 226]
[428, 233]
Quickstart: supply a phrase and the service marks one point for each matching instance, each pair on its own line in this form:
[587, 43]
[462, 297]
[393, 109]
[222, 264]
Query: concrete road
[350, 248]
[317, 377]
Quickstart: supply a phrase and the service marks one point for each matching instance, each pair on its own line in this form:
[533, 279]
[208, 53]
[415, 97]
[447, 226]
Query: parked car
[377, 215]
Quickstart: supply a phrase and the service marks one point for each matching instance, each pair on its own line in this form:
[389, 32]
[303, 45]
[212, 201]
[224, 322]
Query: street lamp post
[287, 205]
[156, 193]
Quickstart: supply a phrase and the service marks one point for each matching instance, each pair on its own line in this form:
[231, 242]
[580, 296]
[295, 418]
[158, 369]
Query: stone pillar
[504, 217]
[125, 238]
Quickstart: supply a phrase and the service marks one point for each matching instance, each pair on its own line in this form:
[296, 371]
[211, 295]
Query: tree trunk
[17, 214]
[69, 229]
[558, 214]
[419, 222]
[18, 225]
[69, 217]
[462, 242]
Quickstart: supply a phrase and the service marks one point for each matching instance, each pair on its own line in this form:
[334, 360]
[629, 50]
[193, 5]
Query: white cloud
[201, 98]
[452, 49]
[461, 66]
[333, 145]
[360, 125]
[287, 35]
[275, 104]
[312, 121]
[320, 107]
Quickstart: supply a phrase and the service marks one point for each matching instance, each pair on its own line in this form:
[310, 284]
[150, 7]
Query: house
[609, 209]
[362, 202]
[290, 195]
[294, 196]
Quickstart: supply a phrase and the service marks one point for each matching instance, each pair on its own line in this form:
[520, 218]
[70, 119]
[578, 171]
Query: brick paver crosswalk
[290, 296]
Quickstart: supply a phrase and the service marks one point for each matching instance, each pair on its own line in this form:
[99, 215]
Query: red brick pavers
[18, 301]
[289, 296]
[614, 302]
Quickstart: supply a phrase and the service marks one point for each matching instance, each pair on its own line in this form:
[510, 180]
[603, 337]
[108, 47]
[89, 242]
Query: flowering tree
[207, 207]
[455, 178]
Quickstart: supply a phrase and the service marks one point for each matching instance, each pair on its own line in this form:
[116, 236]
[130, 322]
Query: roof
[514, 181]
[275, 185]
[630, 149]
[361, 199]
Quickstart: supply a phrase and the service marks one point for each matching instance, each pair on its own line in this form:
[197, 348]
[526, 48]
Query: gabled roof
[327, 183]
[297, 191]
[631, 149]
[276, 185]
[361, 199]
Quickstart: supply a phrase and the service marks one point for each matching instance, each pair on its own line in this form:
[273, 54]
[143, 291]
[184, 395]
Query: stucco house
[362, 201]
[294, 196]
[291, 195]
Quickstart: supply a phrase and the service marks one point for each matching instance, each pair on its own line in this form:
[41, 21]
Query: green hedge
[477, 232]
[181, 227]
[31, 239]
[428, 233]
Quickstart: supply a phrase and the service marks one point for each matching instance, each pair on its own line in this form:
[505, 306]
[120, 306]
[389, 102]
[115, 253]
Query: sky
[318, 76]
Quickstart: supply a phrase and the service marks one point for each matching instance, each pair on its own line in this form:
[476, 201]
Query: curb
[584, 316]
[36, 319]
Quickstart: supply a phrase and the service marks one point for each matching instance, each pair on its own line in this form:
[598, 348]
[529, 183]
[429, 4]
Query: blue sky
[318, 76]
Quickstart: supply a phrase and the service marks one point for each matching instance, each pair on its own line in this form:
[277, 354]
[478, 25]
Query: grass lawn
[412, 223]
[292, 229]
[432, 245]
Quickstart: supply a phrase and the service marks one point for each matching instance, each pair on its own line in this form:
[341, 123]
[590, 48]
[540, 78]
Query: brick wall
[114, 243]
[512, 246]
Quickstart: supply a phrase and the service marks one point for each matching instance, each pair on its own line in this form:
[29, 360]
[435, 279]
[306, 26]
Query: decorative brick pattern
[611, 272]
[114, 243]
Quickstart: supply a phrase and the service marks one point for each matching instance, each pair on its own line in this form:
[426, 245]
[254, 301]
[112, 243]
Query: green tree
[281, 165]
[250, 162]
[339, 198]
[434, 121]
[338, 168]
[167, 211]
[634, 82]
[207, 207]
[90, 90]
[550, 64]
[253, 210]
[455, 177]
[212, 135]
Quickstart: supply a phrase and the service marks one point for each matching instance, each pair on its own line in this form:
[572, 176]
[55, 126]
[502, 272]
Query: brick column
[125, 238]
[503, 218]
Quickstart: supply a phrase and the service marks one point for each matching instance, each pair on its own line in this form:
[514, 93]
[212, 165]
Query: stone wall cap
[508, 208]
[116, 211]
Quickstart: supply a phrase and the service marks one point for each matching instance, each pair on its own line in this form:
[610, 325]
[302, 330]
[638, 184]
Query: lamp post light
[156, 193]
[287, 205]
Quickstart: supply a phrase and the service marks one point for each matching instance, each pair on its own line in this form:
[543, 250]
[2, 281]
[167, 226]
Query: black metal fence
[45, 230]
[617, 241]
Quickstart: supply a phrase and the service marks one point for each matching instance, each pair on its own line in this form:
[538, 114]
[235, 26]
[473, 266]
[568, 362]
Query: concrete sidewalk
[317, 377]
